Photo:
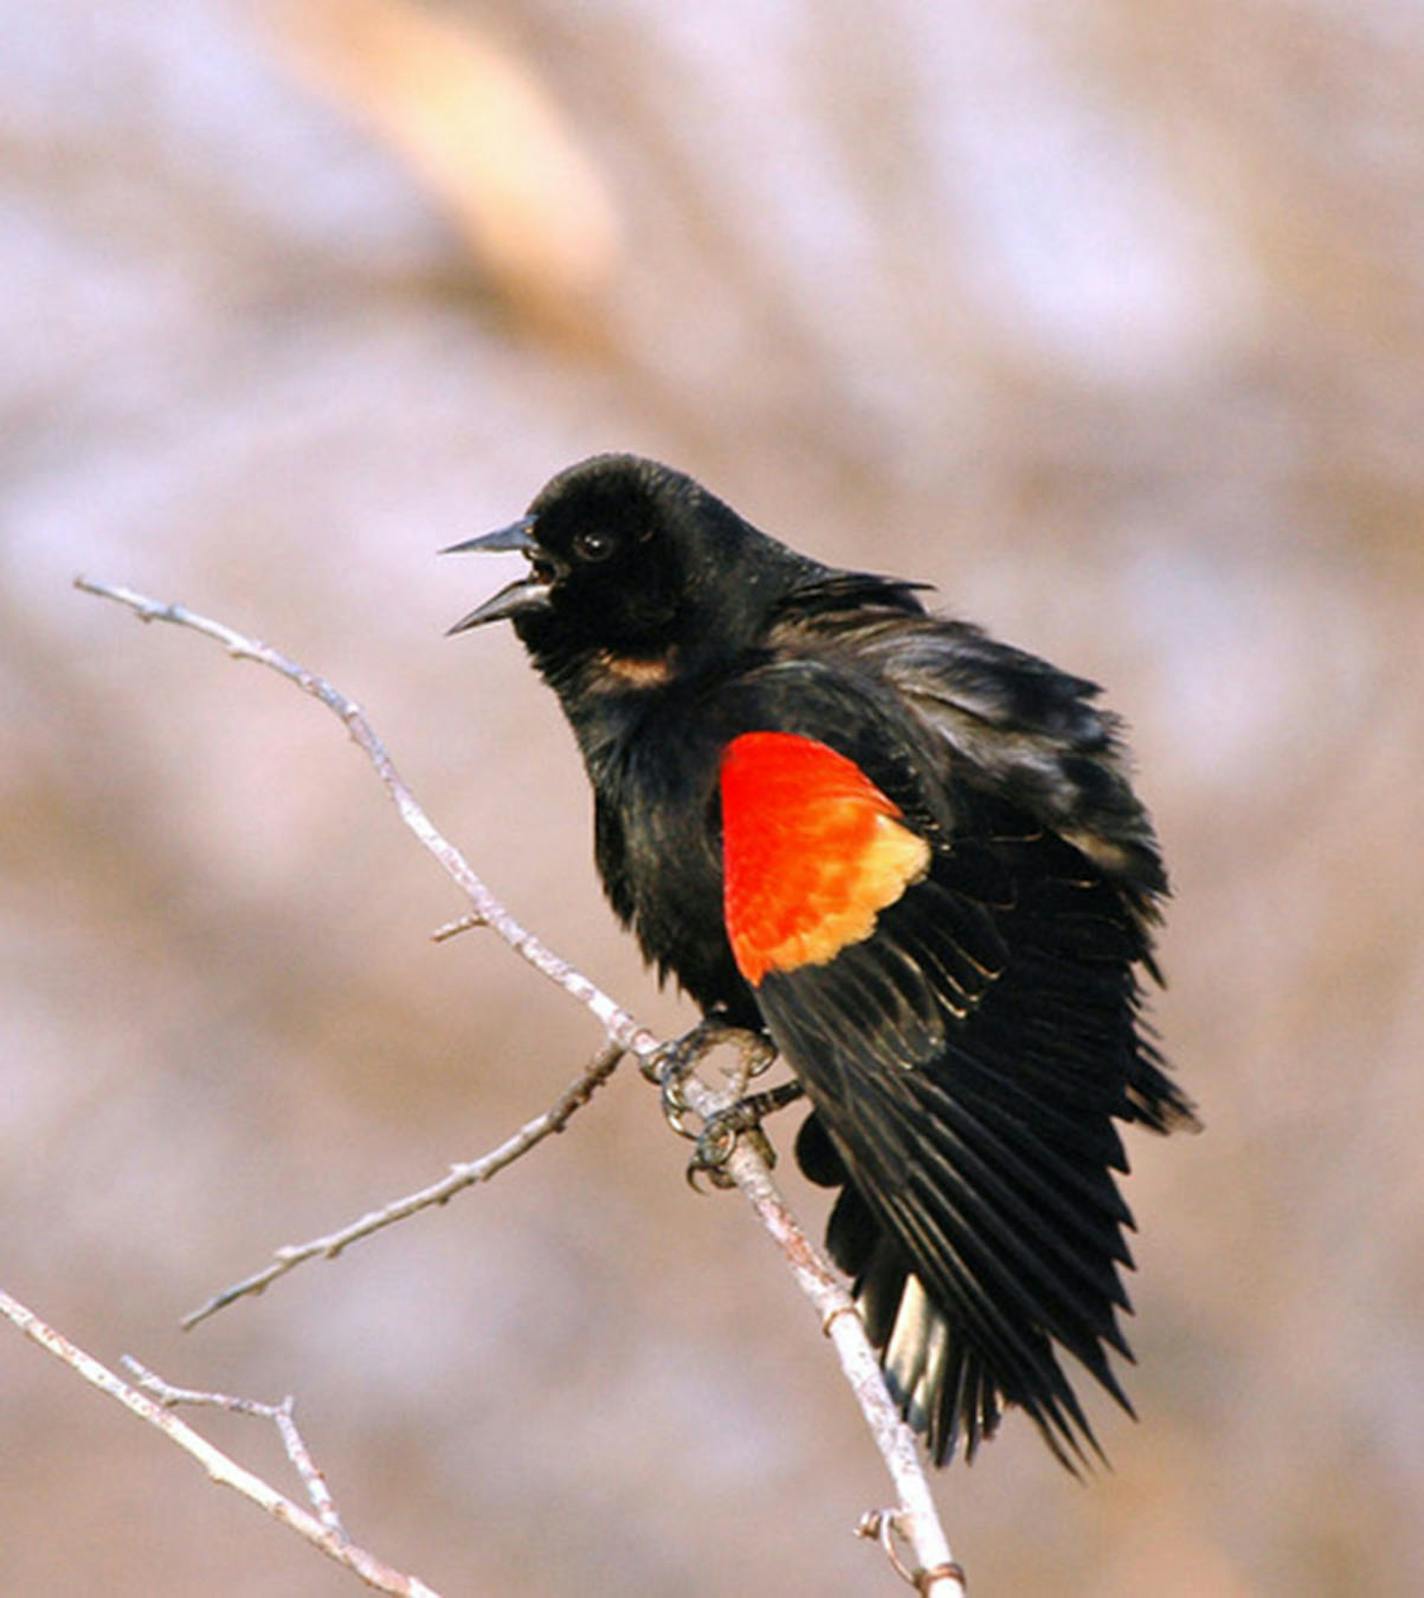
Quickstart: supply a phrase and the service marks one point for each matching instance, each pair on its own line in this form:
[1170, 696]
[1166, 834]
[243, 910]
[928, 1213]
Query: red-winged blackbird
[912, 856]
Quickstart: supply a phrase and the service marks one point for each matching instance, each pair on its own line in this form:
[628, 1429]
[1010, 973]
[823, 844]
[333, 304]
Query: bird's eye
[592, 545]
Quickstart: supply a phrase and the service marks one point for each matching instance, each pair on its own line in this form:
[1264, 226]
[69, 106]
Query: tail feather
[951, 1370]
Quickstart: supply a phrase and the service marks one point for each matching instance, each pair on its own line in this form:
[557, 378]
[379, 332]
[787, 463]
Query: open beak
[522, 595]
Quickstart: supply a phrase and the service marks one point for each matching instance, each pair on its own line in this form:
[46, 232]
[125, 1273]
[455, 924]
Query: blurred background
[1107, 319]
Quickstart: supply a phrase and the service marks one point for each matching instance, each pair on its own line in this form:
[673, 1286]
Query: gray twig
[461, 1176]
[322, 1533]
[282, 1415]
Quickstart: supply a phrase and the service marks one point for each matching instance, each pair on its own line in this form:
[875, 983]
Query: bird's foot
[719, 1133]
[670, 1066]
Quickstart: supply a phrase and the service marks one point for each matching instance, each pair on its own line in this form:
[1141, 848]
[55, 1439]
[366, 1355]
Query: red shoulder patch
[812, 851]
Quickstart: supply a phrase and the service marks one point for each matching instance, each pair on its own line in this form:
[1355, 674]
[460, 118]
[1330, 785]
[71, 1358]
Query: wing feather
[965, 1064]
[968, 1051]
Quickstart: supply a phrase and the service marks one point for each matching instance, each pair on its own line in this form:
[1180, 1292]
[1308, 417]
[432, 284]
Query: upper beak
[524, 594]
[518, 535]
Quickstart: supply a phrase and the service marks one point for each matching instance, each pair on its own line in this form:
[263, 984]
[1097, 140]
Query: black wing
[968, 1060]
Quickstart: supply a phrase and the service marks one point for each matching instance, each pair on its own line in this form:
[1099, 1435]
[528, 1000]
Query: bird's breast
[660, 857]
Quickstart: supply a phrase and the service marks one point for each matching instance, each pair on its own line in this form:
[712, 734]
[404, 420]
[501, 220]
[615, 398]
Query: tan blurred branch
[459, 1177]
[322, 1531]
[481, 135]
[915, 1519]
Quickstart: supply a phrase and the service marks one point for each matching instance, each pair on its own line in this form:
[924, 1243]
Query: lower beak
[520, 597]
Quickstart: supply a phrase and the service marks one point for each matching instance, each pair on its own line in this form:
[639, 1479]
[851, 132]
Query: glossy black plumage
[966, 1061]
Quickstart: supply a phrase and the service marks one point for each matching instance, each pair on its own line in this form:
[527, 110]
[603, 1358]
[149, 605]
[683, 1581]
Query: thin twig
[461, 1176]
[617, 1023]
[936, 1575]
[221, 1469]
[283, 1416]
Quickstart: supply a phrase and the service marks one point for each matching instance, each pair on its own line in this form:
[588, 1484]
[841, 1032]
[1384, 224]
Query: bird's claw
[679, 1055]
[720, 1133]
[669, 1066]
[676, 1109]
[716, 1136]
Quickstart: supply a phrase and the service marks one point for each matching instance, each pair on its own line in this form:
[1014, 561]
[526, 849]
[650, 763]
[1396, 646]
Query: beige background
[1108, 319]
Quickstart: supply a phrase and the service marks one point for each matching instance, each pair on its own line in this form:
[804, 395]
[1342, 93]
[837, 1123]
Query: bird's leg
[671, 1064]
[719, 1134]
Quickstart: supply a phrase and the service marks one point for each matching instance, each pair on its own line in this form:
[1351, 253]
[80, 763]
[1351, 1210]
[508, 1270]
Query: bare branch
[616, 1021]
[554, 1119]
[226, 1472]
[282, 1415]
[935, 1574]
[916, 1519]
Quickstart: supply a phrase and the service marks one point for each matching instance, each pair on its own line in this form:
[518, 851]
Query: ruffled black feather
[969, 1059]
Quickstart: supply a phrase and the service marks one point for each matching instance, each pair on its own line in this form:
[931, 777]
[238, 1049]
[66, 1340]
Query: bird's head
[635, 567]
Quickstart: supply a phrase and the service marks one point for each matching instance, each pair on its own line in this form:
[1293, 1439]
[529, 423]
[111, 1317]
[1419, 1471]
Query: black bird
[912, 856]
